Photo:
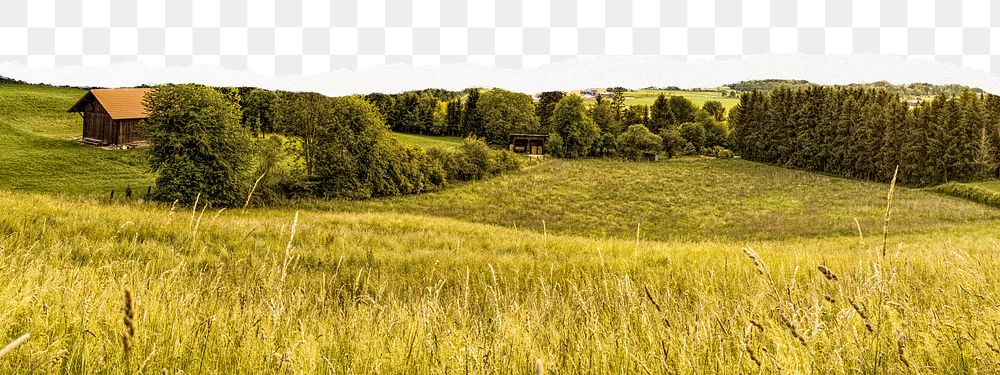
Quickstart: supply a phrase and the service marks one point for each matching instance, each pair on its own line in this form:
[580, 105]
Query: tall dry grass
[384, 293]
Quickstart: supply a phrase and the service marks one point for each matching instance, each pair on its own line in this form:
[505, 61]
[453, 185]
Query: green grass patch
[428, 141]
[992, 185]
[647, 97]
[39, 150]
[987, 193]
[689, 199]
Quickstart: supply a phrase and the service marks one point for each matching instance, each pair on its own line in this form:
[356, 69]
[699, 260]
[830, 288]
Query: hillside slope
[38, 152]
[688, 198]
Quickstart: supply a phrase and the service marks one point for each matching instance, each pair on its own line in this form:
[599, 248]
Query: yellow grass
[379, 292]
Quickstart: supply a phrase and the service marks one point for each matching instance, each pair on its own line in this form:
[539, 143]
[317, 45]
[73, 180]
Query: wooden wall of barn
[97, 123]
[98, 126]
[128, 131]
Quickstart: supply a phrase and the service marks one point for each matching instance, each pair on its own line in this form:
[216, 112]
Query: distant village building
[914, 102]
[588, 93]
[531, 144]
[111, 116]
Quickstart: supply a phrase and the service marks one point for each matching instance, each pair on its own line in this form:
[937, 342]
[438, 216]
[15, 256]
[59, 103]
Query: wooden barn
[531, 144]
[111, 116]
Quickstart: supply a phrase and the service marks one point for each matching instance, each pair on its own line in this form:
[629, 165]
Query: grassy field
[428, 141]
[647, 97]
[992, 185]
[380, 292]
[984, 192]
[38, 151]
[724, 275]
[688, 199]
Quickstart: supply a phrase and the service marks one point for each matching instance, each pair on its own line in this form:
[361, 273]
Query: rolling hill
[691, 265]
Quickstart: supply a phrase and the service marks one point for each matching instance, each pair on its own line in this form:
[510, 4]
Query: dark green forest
[912, 89]
[865, 133]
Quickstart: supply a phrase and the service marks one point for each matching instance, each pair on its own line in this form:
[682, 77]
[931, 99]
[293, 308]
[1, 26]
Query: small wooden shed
[531, 144]
[111, 116]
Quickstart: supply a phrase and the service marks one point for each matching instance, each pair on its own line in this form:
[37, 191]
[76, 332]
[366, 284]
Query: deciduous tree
[577, 130]
[197, 146]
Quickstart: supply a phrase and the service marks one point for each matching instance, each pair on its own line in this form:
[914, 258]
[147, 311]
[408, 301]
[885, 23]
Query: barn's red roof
[121, 104]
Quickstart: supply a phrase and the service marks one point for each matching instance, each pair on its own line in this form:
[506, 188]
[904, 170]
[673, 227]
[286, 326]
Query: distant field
[647, 97]
[428, 141]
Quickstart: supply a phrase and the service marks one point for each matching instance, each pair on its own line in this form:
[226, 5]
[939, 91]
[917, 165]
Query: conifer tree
[660, 116]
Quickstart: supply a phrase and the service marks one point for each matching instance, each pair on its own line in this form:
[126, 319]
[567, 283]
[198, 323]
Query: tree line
[865, 133]
[911, 89]
[203, 147]
[575, 128]
[221, 143]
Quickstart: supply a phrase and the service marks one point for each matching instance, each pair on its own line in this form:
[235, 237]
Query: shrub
[636, 141]
[972, 193]
[505, 161]
[405, 169]
[197, 146]
[718, 152]
[276, 174]
[473, 160]
[446, 159]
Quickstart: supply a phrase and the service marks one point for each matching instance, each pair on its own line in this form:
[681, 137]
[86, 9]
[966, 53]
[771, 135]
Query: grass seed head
[827, 273]
[863, 314]
[653, 300]
[128, 321]
[757, 262]
[793, 329]
[992, 347]
[753, 357]
[901, 347]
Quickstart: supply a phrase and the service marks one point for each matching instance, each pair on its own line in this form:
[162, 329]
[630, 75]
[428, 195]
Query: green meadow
[698, 97]
[39, 150]
[428, 141]
[691, 265]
